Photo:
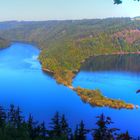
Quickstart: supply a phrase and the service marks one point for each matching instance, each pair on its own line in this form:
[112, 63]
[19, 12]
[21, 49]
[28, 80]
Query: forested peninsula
[66, 45]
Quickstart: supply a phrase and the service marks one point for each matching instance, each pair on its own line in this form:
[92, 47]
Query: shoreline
[132, 106]
[47, 70]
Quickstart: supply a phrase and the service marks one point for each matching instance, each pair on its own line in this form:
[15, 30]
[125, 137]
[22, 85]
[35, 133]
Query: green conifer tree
[103, 132]
[55, 126]
[82, 131]
[65, 130]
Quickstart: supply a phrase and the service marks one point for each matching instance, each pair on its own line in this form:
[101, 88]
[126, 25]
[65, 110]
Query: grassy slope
[67, 44]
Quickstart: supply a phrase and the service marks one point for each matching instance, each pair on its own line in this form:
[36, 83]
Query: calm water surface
[23, 83]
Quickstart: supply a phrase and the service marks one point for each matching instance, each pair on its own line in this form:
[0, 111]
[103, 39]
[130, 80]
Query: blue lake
[23, 84]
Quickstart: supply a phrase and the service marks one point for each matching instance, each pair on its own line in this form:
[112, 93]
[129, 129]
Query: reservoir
[24, 84]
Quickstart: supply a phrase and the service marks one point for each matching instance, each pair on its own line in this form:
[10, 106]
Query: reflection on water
[127, 63]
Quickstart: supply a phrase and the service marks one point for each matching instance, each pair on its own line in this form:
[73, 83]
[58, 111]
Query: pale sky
[66, 9]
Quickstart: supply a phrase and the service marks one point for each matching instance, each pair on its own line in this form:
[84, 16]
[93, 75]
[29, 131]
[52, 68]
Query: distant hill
[136, 18]
[45, 32]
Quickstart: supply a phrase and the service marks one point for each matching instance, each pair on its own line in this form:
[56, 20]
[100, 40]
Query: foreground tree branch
[120, 1]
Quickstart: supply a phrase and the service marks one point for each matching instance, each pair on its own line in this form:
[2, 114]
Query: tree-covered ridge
[46, 32]
[67, 44]
[129, 36]
[14, 126]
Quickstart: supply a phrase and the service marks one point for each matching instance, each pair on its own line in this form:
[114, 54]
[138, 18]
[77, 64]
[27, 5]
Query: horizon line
[75, 19]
